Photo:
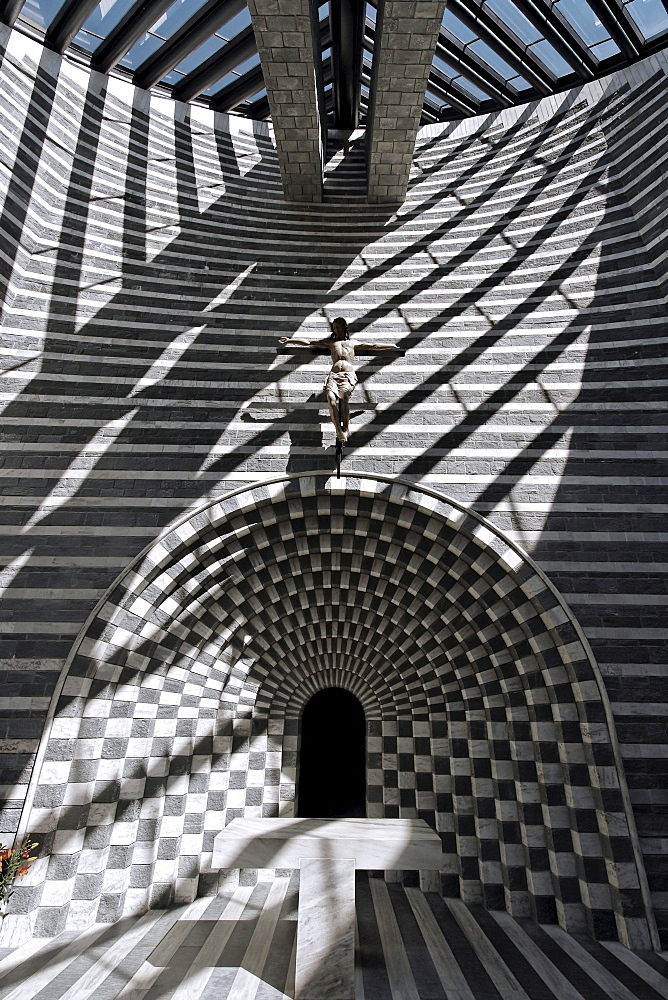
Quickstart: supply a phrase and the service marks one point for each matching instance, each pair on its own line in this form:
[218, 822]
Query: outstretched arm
[379, 347]
[304, 341]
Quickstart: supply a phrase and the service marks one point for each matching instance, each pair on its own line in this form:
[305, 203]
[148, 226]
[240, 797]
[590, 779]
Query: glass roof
[502, 52]
[491, 53]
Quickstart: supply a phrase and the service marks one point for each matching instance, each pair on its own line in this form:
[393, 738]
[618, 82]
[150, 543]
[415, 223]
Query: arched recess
[178, 707]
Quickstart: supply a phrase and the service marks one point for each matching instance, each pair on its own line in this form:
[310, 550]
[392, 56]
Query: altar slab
[327, 851]
[373, 844]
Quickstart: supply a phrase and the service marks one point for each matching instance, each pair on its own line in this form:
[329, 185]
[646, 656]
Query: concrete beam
[406, 36]
[284, 33]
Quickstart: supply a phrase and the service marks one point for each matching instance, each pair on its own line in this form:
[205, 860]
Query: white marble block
[325, 968]
[397, 844]
[327, 852]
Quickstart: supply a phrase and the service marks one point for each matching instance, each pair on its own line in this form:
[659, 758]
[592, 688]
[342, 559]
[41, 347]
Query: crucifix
[342, 377]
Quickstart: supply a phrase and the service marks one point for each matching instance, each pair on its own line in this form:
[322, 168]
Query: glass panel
[145, 47]
[649, 16]
[444, 67]
[176, 16]
[201, 53]
[251, 97]
[515, 20]
[86, 41]
[248, 64]
[458, 29]
[549, 56]
[236, 24]
[41, 12]
[579, 14]
[219, 84]
[518, 83]
[489, 56]
[106, 16]
[471, 88]
[233, 76]
[455, 76]
[170, 22]
[604, 50]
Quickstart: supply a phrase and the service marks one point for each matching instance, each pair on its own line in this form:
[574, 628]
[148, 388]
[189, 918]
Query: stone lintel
[406, 36]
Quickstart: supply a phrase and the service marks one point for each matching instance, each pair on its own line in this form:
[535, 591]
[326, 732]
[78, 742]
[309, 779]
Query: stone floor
[412, 946]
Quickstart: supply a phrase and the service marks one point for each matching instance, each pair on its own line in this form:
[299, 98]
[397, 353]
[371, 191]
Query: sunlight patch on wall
[15, 57]
[226, 293]
[209, 176]
[245, 145]
[12, 570]
[522, 513]
[78, 471]
[163, 220]
[15, 378]
[169, 357]
[103, 251]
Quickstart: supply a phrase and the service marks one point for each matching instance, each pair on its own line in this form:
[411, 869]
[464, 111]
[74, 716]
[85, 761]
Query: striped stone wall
[149, 265]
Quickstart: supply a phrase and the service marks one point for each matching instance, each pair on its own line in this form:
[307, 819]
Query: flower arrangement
[14, 863]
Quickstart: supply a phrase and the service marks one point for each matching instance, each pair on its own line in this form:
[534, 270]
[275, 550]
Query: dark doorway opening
[332, 756]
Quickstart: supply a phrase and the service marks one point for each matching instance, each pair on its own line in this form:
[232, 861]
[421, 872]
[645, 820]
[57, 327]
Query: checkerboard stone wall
[149, 262]
[180, 710]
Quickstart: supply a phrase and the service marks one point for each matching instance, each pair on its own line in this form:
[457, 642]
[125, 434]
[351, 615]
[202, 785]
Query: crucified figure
[342, 378]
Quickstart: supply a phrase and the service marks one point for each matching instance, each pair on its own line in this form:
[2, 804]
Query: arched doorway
[332, 756]
[453, 641]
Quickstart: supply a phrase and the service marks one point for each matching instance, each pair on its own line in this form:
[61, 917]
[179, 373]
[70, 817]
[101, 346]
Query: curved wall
[150, 263]
[179, 709]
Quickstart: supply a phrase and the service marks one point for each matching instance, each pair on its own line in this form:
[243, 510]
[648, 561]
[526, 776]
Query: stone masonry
[149, 262]
[283, 31]
[406, 35]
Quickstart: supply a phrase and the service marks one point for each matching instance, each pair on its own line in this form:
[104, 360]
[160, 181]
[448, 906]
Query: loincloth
[341, 383]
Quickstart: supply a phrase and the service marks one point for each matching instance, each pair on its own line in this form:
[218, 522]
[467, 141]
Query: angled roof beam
[492, 30]
[129, 30]
[11, 10]
[216, 66]
[405, 39]
[243, 88]
[69, 19]
[558, 32]
[621, 30]
[212, 16]
[473, 69]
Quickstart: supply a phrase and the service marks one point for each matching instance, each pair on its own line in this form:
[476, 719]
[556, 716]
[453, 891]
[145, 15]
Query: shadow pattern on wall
[150, 264]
